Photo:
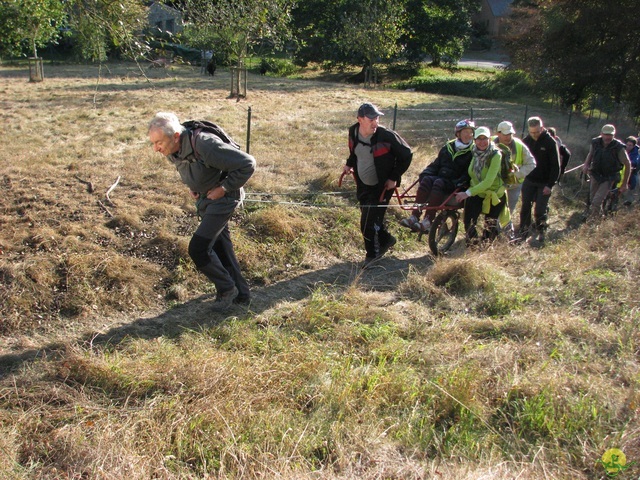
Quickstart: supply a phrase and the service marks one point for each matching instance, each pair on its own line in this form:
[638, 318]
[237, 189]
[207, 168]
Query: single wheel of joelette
[444, 230]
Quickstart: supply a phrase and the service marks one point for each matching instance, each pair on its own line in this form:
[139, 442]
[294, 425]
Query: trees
[577, 49]
[233, 26]
[350, 31]
[102, 25]
[316, 30]
[95, 25]
[438, 28]
[26, 25]
[371, 31]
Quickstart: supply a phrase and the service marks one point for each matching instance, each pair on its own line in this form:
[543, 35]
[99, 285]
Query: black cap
[369, 110]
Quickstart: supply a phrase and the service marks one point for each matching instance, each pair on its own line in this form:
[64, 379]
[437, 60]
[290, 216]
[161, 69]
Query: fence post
[395, 116]
[471, 114]
[248, 129]
[524, 122]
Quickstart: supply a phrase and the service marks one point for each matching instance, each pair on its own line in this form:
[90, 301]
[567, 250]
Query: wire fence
[435, 125]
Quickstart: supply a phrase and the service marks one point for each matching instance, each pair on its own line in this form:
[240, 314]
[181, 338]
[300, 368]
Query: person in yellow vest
[486, 192]
[522, 159]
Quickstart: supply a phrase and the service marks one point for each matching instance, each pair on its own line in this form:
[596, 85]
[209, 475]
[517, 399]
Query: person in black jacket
[441, 176]
[378, 157]
[537, 186]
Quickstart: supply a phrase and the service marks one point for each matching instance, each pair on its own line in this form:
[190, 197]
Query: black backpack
[195, 127]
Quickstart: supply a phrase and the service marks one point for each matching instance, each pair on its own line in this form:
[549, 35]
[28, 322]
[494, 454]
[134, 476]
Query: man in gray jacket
[214, 172]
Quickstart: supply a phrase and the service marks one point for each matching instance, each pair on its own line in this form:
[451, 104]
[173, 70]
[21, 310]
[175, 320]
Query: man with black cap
[378, 157]
[607, 156]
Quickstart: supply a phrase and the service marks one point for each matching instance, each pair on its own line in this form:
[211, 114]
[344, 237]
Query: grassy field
[509, 362]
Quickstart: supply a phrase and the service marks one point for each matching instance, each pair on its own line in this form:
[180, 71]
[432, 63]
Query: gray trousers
[513, 194]
[597, 192]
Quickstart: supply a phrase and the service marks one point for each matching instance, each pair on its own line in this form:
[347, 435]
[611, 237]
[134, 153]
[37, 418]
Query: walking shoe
[517, 240]
[424, 226]
[224, 300]
[242, 300]
[409, 222]
[385, 248]
[369, 261]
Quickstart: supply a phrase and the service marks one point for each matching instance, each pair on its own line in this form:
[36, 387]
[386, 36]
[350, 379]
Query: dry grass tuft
[279, 224]
[462, 276]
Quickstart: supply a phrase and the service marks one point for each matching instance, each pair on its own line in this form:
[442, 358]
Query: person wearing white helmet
[439, 178]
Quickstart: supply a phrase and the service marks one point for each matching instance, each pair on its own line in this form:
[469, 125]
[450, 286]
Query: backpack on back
[195, 127]
[507, 167]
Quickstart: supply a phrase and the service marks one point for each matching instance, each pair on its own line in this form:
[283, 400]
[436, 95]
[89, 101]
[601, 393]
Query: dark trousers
[633, 179]
[533, 193]
[372, 212]
[472, 211]
[432, 190]
[212, 252]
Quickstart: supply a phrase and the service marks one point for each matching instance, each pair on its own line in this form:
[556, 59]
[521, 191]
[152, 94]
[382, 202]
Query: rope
[264, 194]
[325, 205]
[573, 169]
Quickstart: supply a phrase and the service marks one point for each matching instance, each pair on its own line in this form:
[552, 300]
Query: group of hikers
[486, 173]
[471, 167]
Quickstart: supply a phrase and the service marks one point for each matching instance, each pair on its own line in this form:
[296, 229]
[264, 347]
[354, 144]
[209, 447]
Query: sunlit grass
[509, 362]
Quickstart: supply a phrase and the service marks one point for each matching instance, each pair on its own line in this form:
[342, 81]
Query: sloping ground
[501, 363]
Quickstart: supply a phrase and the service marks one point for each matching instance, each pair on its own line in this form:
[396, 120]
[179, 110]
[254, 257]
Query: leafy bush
[505, 84]
[279, 67]
[405, 70]
[445, 85]
[509, 83]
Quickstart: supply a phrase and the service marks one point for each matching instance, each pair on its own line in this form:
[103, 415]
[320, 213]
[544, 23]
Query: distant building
[165, 18]
[491, 14]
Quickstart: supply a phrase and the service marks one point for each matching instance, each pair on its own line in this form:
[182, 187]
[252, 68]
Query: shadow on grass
[194, 314]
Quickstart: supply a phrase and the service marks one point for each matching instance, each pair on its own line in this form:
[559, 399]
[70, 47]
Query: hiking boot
[385, 248]
[409, 222]
[370, 261]
[242, 300]
[224, 300]
[424, 226]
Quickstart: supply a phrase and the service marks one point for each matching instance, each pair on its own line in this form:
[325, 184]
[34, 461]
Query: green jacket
[489, 184]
